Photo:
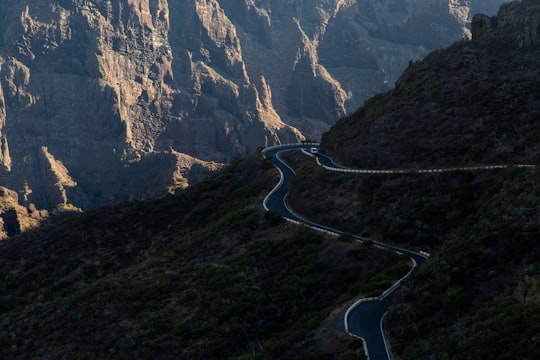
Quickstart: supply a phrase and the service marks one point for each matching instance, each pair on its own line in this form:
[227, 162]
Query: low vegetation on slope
[204, 274]
[477, 102]
[478, 296]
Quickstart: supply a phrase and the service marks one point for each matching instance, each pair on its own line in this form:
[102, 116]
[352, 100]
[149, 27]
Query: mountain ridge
[414, 123]
[112, 89]
[207, 272]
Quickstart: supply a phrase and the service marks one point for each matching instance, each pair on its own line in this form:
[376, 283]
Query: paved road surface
[364, 319]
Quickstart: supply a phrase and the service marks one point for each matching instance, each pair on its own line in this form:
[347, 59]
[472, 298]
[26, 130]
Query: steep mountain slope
[478, 296]
[474, 103]
[108, 100]
[204, 274]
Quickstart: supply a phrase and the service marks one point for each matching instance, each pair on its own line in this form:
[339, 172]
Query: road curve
[363, 319]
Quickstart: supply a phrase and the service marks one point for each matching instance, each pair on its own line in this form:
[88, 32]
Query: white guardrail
[422, 171]
[335, 233]
[287, 145]
[378, 298]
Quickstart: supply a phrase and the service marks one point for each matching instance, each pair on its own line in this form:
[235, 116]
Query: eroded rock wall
[123, 97]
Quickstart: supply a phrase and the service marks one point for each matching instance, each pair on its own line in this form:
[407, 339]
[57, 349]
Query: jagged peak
[517, 24]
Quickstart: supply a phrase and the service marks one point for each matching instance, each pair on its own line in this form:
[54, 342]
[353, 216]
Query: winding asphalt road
[364, 318]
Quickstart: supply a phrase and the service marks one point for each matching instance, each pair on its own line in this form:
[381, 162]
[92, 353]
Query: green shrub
[273, 218]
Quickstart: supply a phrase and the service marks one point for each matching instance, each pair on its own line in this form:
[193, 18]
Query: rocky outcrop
[108, 100]
[518, 23]
[481, 25]
[515, 24]
[14, 217]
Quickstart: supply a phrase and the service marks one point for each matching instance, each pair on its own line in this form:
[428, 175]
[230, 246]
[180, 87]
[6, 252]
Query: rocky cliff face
[107, 100]
[517, 25]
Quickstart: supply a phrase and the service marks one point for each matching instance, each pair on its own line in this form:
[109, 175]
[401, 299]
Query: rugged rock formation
[108, 100]
[481, 25]
[519, 25]
[15, 218]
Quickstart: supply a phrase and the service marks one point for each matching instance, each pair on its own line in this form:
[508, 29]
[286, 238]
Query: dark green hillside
[477, 102]
[208, 274]
[204, 274]
[478, 296]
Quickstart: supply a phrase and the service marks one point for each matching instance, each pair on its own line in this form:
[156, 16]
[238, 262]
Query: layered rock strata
[103, 100]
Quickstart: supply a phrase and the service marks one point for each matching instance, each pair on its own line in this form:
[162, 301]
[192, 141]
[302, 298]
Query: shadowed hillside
[477, 102]
[203, 274]
[206, 273]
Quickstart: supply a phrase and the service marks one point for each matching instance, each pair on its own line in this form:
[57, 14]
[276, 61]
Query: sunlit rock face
[107, 100]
